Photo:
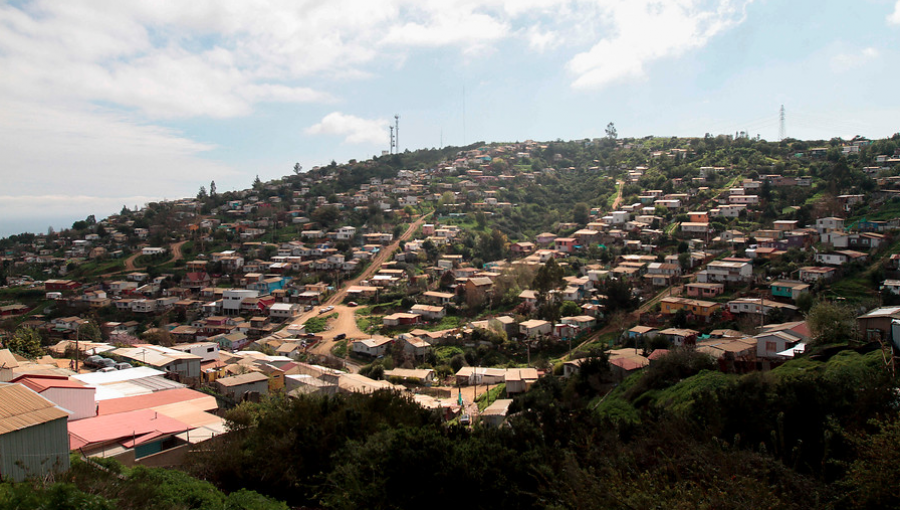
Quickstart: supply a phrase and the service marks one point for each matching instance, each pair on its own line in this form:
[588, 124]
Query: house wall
[35, 451]
[80, 402]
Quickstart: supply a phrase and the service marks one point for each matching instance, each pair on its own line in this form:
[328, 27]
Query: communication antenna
[781, 134]
[392, 139]
[397, 132]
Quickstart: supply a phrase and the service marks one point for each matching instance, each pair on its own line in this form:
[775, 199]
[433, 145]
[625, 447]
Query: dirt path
[129, 262]
[618, 200]
[345, 323]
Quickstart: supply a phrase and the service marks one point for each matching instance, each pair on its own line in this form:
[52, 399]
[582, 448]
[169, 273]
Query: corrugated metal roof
[21, 408]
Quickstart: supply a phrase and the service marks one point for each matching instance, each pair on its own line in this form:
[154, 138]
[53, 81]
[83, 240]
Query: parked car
[326, 309]
[123, 366]
[340, 336]
[352, 304]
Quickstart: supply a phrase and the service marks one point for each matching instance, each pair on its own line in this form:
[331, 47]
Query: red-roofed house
[73, 396]
[127, 437]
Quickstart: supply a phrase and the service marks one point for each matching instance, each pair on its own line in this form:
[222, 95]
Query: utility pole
[781, 132]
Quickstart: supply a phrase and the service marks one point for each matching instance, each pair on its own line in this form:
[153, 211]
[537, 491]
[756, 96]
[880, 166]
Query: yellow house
[696, 307]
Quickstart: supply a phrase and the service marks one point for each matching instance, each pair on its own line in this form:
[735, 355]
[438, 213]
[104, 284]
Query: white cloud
[844, 61]
[352, 128]
[643, 31]
[894, 17]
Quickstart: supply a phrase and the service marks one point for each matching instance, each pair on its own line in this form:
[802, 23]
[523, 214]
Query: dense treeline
[809, 434]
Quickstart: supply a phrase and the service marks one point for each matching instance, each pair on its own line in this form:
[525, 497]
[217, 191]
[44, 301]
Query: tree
[548, 277]
[297, 169]
[201, 195]
[212, 188]
[569, 309]
[611, 132]
[581, 213]
[26, 342]
[831, 323]
[257, 184]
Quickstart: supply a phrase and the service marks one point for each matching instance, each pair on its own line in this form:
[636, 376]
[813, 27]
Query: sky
[111, 103]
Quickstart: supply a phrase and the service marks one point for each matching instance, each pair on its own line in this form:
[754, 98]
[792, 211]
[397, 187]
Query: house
[724, 271]
[346, 233]
[565, 244]
[180, 364]
[788, 289]
[423, 376]
[641, 333]
[777, 338]
[534, 328]
[237, 386]
[698, 308]
[759, 306]
[680, 337]
[439, 298]
[69, 394]
[429, 312]
[478, 288]
[33, 435]
[876, 324]
[284, 311]
[372, 346]
[480, 375]
[494, 414]
[892, 286]
[400, 319]
[810, 274]
[519, 380]
[704, 290]
[839, 258]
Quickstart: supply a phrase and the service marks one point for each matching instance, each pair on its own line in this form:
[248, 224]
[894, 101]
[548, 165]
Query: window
[210, 349]
[771, 347]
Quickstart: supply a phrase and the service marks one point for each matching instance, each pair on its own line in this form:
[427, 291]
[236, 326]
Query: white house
[346, 233]
[372, 346]
[535, 327]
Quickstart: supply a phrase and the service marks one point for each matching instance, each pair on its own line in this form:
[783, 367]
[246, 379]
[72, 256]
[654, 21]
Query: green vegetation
[86, 487]
[318, 324]
[487, 398]
[340, 349]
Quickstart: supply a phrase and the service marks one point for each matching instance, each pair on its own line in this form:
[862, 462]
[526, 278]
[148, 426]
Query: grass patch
[340, 349]
[487, 398]
[317, 324]
[446, 322]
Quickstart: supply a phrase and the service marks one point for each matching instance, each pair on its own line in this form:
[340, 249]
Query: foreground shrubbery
[695, 439]
[810, 434]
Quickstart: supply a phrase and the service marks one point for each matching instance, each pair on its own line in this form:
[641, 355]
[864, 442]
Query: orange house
[704, 309]
[699, 217]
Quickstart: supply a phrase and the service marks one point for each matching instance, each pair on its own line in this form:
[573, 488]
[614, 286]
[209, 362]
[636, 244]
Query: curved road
[346, 320]
[176, 255]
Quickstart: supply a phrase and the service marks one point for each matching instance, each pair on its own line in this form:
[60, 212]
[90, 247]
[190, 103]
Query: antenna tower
[781, 133]
[392, 139]
[397, 132]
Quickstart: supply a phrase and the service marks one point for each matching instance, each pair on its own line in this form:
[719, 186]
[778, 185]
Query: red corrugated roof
[155, 399]
[40, 383]
[133, 427]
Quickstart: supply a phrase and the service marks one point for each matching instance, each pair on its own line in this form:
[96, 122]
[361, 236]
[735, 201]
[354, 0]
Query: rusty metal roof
[21, 408]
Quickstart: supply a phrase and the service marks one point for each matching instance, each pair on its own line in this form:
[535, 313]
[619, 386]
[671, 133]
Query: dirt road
[618, 200]
[345, 323]
[176, 255]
